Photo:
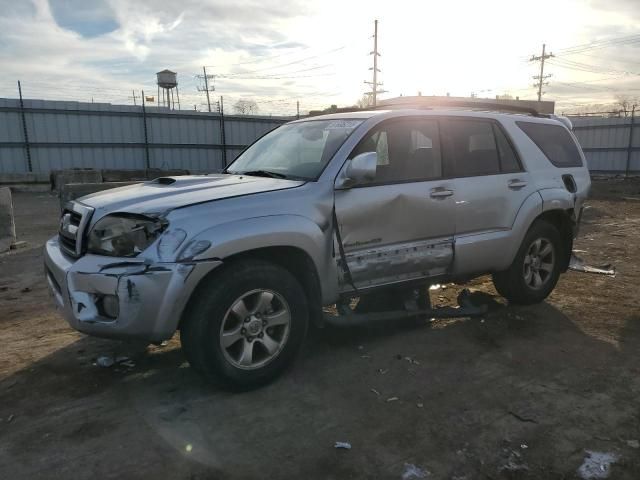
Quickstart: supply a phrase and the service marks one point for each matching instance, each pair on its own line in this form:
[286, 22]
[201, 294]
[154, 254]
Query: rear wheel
[536, 268]
[245, 325]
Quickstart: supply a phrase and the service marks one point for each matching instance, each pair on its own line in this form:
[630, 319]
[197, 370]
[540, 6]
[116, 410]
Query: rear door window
[555, 141]
[471, 147]
[508, 160]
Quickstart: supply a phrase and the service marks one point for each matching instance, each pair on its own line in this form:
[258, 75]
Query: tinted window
[471, 147]
[508, 160]
[555, 142]
[407, 150]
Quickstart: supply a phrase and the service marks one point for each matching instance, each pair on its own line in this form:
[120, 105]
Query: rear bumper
[150, 297]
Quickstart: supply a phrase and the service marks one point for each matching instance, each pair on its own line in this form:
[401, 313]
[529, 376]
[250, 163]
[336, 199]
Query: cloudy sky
[317, 53]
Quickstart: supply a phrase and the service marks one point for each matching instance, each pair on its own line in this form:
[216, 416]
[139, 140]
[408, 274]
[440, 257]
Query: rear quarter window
[555, 142]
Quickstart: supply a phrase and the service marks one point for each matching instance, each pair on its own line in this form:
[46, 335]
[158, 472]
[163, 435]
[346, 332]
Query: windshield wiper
[262, 173]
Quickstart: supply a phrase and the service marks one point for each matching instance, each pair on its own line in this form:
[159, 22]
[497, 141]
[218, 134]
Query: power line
[290, 63]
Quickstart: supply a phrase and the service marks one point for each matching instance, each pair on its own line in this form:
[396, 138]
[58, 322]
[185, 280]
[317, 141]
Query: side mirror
[362, 168]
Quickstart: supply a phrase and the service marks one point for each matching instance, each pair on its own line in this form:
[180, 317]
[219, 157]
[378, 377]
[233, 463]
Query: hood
[167, 193]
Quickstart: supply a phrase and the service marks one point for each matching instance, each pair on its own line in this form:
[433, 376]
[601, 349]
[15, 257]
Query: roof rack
[492, 105]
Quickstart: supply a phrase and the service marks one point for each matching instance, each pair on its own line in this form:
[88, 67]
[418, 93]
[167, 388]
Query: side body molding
[295, 231]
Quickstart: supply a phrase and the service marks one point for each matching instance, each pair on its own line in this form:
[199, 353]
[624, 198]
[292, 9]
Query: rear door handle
[516, 184]
[441, 193]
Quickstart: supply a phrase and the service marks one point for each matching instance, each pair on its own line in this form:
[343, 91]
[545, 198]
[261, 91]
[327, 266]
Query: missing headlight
[124, 235]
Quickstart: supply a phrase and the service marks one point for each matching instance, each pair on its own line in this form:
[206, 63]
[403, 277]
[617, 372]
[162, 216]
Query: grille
[72, 223]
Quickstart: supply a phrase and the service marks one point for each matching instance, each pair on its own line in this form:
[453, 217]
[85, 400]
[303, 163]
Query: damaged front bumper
[145, 301]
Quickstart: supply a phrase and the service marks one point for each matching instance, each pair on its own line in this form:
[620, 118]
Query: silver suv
[318, 211]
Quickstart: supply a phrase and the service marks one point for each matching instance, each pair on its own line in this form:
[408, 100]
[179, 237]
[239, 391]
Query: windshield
[296, 150]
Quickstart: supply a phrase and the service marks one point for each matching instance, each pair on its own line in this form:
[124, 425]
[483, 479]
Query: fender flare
[292, 231]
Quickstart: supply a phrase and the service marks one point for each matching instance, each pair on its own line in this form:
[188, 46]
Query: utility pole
[542, 77]
[206, 87]
[133, 92]
[374, 83]
[297, 108]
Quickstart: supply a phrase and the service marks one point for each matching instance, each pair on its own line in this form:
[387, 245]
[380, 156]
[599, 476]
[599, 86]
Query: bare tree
[626, 103]
[245, 107]
[364, 102]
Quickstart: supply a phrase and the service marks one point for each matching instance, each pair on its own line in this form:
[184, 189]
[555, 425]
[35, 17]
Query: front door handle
[441, 193]
[516, 184]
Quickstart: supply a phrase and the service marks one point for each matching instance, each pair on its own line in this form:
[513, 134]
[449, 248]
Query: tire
[535, 270]
[245, 324]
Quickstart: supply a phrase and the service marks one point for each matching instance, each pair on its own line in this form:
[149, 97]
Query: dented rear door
[400, 226]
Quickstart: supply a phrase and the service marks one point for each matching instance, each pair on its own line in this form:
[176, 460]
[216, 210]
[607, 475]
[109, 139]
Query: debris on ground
[18, 245]
[419, 405]
[105, 361]
[524, 446]
[412, 471]
[633, 443]
[375, 391]
[522, 418]
[11, 417]
[392, 399]
[343, 445]
[412, 360]
[383, 371]
[579, 265]
[513, 461]
[596, 465]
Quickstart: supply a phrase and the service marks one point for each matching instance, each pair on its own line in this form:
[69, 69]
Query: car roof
[452, 111]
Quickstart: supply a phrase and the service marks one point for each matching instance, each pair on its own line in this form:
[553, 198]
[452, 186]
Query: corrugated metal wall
[611, 145]
[104, 136]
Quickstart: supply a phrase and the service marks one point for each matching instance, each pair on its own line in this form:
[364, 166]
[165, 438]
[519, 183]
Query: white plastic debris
[412, 471]
[597, 465]
[105, 361]
[392, 399]
[633, 443]
[343, 445]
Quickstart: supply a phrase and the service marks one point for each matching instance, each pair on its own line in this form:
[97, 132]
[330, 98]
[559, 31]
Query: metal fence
[41, 135]
[611, 145]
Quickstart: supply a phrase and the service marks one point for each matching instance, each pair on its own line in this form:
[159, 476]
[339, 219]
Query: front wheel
[245, 324]
[536, 268]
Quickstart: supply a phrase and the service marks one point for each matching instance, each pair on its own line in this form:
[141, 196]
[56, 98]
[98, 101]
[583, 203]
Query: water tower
[168, 80]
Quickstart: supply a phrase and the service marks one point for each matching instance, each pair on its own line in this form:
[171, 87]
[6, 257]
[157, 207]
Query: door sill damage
[346, 317]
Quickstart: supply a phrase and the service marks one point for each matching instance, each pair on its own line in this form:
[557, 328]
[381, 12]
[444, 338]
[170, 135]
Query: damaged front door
[400, 225]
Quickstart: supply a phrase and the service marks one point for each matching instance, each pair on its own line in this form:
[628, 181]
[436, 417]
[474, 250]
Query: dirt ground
[525, 392]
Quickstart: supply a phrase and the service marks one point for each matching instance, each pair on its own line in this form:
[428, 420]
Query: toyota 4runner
[317, 211]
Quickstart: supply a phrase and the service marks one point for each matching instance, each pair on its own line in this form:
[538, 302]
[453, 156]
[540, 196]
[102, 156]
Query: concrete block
[26, 182]
[7, 223]
[76, 190]
[64, 177]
